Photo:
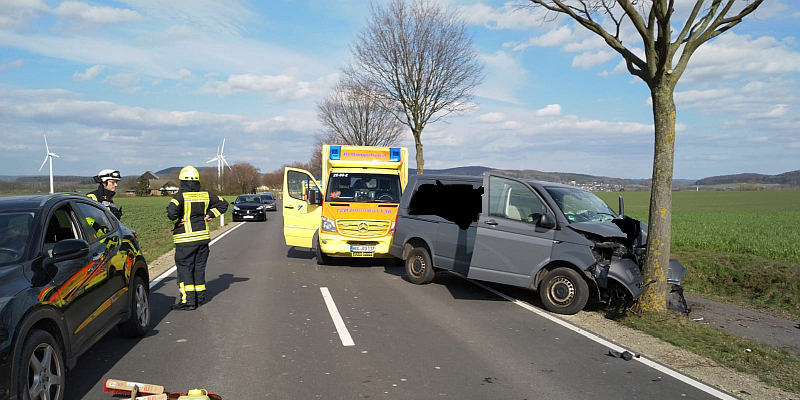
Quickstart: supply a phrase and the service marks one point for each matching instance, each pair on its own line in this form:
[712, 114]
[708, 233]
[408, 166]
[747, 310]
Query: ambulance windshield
[363, 188]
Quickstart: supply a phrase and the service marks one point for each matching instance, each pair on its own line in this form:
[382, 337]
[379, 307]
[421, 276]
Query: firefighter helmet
[189, 173]
[107, 175]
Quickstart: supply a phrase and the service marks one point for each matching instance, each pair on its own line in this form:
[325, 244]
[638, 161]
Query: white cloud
[588, 60]
[13, 64]
[184, 73]
[89, 74]
[122, 80]
[491, 117]
[511, 125]
[101, 15]
[509, 16]
[553, 37]
[17, 13]
[504, 74]
[758, 139]
[550, 110]
[283, 87]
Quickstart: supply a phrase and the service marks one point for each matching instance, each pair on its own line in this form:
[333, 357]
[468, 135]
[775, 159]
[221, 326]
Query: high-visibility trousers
[190, 259]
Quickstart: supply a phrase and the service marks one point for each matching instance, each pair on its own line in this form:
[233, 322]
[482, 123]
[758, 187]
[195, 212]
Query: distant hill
[791, 178]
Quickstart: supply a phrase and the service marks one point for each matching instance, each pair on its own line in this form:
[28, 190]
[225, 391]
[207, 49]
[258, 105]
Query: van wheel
[41, 373]
[138, 322]
[322, 258]
[419, 268]
[564, 291]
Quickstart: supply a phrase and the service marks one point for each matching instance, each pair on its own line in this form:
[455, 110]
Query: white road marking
[174, 268]
[650, 363]
[344, 334]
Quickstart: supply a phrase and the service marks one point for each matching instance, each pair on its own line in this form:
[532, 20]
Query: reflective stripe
[176, 202]
[183, 293]
[191, 237]
[189, 288]
[199, 288]
[190, 234]
[92, 196]
[216, 212]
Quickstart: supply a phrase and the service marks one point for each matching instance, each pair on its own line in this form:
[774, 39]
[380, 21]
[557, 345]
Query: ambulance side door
[300, 219]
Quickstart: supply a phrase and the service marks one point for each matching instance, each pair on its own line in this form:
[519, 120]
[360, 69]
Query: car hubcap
[142, 306]
[417, 265]
[45, 374]
[562, 291]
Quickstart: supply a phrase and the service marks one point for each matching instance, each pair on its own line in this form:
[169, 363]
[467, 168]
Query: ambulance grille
[361, 228]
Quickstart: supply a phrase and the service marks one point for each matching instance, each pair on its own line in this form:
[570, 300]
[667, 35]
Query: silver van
[560, 240]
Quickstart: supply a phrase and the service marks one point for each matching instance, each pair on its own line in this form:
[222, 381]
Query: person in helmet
[107, 181]
[190, 210]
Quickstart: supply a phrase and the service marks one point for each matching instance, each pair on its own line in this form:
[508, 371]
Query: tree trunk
[654, 299]
[420, 160]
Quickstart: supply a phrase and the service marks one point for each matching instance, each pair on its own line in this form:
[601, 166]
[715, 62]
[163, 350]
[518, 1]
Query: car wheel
[138, 322]
[419, 268]
[564, 291]
[42, 373]
[322, 258]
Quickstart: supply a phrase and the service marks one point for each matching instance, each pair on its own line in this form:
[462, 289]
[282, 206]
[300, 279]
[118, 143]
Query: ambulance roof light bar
[394, 154]
[336, 153]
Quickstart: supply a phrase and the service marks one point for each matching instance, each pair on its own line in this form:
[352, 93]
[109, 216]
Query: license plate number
[362, 249]
[362, 254]
[248, 216]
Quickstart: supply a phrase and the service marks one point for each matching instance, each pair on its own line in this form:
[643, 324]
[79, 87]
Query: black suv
[69, 273]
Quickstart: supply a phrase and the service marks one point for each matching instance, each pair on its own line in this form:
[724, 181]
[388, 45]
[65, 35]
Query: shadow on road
[219, 285]
[93, 365]
[301, 253]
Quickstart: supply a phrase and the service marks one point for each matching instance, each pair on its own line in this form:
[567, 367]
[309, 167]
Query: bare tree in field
[352, 116]
[666, 55]
[246, 177]
[418, 58]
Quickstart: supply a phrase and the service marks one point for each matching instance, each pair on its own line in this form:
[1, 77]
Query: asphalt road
[266, 332]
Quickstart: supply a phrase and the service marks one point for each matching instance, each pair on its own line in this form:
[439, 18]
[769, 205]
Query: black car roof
[31, 202]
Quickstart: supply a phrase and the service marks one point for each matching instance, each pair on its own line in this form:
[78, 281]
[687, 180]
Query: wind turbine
[221, 163]
[50, 157]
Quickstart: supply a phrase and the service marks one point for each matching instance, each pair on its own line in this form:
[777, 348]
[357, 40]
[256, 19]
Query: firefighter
[107, 181]
[190, 210]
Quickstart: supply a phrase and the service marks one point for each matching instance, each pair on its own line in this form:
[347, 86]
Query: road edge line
[172, 269]
[589, 335]
[341, 328]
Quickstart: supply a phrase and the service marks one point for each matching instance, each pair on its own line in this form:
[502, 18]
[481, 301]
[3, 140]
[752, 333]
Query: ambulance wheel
[419, 268]
[322, 258]
[564, 291]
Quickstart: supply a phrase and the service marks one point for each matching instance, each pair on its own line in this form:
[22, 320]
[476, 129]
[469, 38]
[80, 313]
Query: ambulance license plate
[362, 254]
[362, 249]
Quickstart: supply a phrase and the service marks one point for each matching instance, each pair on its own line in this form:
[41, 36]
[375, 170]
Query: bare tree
[418, 58]
[659, 69]
[353, 116]
[246, 177]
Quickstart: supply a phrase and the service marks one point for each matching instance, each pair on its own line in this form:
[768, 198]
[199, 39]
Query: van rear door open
[506, 225]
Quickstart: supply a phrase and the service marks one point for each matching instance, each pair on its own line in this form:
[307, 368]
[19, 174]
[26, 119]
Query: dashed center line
[341, 328]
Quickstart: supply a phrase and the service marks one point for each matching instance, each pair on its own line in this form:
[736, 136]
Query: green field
[740, 246]
[148, 217]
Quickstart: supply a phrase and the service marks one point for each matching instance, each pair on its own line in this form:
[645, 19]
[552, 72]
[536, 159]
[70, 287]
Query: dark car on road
[69, 273]
[269, 201]
[248, 207]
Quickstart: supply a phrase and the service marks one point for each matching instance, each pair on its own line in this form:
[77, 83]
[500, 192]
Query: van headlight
[328, 225]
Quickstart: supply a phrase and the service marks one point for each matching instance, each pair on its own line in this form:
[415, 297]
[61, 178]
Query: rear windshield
[363, 188]
[16, 235]
[267, 197]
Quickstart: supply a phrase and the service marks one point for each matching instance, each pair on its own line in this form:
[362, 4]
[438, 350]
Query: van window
[513, 200]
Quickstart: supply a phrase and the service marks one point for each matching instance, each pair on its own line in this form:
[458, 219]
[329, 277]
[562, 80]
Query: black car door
[105, 277]
[69, 287]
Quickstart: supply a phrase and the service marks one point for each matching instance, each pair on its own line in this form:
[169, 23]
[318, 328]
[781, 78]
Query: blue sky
[141, 85]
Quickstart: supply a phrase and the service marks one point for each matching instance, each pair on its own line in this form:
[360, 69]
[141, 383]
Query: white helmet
[107, 174]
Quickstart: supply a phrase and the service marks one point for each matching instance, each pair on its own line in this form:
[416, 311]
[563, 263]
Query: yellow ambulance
[353, 210]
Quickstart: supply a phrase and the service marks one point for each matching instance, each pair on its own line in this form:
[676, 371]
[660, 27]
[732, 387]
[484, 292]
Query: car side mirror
[70, 249]
[547, 222]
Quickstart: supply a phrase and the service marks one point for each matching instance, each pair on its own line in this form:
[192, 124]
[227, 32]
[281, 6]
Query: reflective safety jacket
[191, 205]
[106, 198]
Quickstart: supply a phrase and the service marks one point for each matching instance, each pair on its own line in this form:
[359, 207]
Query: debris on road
[625, 355]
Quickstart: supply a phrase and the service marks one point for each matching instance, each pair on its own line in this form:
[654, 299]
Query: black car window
[15, 237]
[95, 222]
[248, 199]
[60, 226]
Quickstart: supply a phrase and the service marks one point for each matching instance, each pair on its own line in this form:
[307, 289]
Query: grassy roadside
[774, 367]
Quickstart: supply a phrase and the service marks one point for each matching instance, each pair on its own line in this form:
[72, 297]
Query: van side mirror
[547, 222]
[314, 197]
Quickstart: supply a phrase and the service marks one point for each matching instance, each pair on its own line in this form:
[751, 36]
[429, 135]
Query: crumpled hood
[606, 229]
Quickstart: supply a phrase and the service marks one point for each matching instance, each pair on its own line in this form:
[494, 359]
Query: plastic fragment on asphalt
[625, 355]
